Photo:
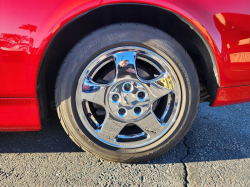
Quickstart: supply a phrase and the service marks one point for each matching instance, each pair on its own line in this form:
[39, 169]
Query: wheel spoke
[110, 129]
[160, 86]
[150, 124]
[93, 92]
[125, 65]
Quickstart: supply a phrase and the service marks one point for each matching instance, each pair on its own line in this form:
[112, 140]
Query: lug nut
[122, 111]
[127, 87]
[137, 110]
[115, 97]
[141, 95]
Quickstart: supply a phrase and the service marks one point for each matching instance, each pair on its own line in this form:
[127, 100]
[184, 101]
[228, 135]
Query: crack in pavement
[182, 161]
[6, 174]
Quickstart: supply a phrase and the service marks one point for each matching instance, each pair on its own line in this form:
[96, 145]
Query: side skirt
[19, 114]
[232, 95]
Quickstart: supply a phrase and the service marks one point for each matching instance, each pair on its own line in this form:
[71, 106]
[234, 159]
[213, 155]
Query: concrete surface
[215, 152]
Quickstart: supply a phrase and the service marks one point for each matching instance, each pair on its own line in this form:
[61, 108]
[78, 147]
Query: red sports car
[126, 76]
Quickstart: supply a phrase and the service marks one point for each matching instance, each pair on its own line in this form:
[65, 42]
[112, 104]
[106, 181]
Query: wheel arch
[193, 41]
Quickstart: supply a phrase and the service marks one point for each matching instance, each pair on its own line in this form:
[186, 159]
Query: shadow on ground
[217, 134]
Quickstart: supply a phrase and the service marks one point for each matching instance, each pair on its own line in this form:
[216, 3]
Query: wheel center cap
[128, 100]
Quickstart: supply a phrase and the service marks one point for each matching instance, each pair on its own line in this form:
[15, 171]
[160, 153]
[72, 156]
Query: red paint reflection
[235, 52]
[235, 35]
[16, 42]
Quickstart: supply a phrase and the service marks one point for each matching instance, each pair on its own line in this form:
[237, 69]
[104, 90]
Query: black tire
[126, 34]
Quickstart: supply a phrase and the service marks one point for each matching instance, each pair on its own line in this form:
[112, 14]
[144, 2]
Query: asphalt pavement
[215, 152]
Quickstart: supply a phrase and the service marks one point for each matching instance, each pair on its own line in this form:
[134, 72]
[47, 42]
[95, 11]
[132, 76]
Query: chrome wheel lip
[97, 62]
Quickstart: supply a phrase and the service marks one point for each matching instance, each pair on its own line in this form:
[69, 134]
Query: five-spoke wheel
[127, 99]
[127, 93]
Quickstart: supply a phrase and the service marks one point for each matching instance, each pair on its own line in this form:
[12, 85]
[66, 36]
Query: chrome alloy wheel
[128, 102]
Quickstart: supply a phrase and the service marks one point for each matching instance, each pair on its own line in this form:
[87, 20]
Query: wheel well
[171, 23]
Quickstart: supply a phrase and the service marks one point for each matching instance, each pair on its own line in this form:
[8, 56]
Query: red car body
[27, 28]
